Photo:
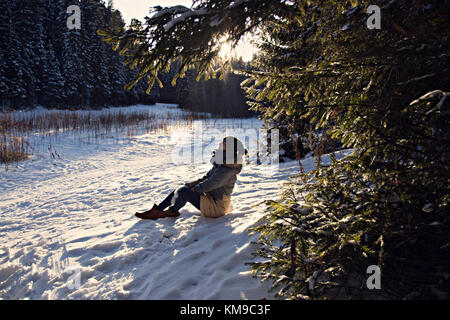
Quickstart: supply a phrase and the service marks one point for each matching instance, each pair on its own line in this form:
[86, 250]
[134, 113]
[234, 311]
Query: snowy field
[68, 229]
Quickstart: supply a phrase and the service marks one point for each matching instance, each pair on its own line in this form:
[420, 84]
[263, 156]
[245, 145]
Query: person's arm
[193, 183]
[217, 180]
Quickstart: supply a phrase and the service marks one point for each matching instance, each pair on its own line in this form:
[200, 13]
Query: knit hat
[232, 154]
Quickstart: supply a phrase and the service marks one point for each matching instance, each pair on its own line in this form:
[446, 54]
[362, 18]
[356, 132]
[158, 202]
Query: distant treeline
[45, 63]
[222, 97]
[42, 62]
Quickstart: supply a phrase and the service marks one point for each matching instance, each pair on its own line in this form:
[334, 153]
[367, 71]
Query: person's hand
[190, 185]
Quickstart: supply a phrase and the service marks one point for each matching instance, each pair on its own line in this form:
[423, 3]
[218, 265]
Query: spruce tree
[373, 207]
[72, 66]
[19, 58]
[117, 72]
[4, 38]
[50, 82]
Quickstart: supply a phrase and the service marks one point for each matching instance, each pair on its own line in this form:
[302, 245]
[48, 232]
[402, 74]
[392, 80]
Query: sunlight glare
[244, 50]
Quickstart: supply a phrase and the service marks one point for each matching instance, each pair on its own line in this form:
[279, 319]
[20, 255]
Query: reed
[16, 127]
[12, 148]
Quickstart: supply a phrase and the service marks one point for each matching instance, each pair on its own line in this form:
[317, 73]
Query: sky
[140, 8]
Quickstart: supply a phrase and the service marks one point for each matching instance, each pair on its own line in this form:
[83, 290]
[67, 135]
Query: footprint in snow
[107, 246]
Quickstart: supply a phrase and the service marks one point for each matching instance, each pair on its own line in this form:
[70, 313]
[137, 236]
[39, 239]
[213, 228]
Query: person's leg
[166, 202]
[182, 196]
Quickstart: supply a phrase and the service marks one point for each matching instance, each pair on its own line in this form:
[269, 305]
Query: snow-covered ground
[68, 230]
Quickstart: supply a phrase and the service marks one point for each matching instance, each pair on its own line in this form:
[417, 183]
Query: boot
[171, 213]
[153, 213]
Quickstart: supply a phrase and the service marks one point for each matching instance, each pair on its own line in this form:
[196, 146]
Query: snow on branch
[186, 14]
[436, 94]
[417, 79]
[237, 3]
[172, 10]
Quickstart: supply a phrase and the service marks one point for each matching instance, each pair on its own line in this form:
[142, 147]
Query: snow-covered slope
[68, 228]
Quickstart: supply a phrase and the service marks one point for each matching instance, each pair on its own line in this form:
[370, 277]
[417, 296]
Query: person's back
[216, 191]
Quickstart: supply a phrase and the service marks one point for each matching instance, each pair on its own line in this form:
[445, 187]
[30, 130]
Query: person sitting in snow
[210, 194]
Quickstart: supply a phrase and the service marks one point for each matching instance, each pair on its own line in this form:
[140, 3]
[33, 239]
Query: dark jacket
[215, 188]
